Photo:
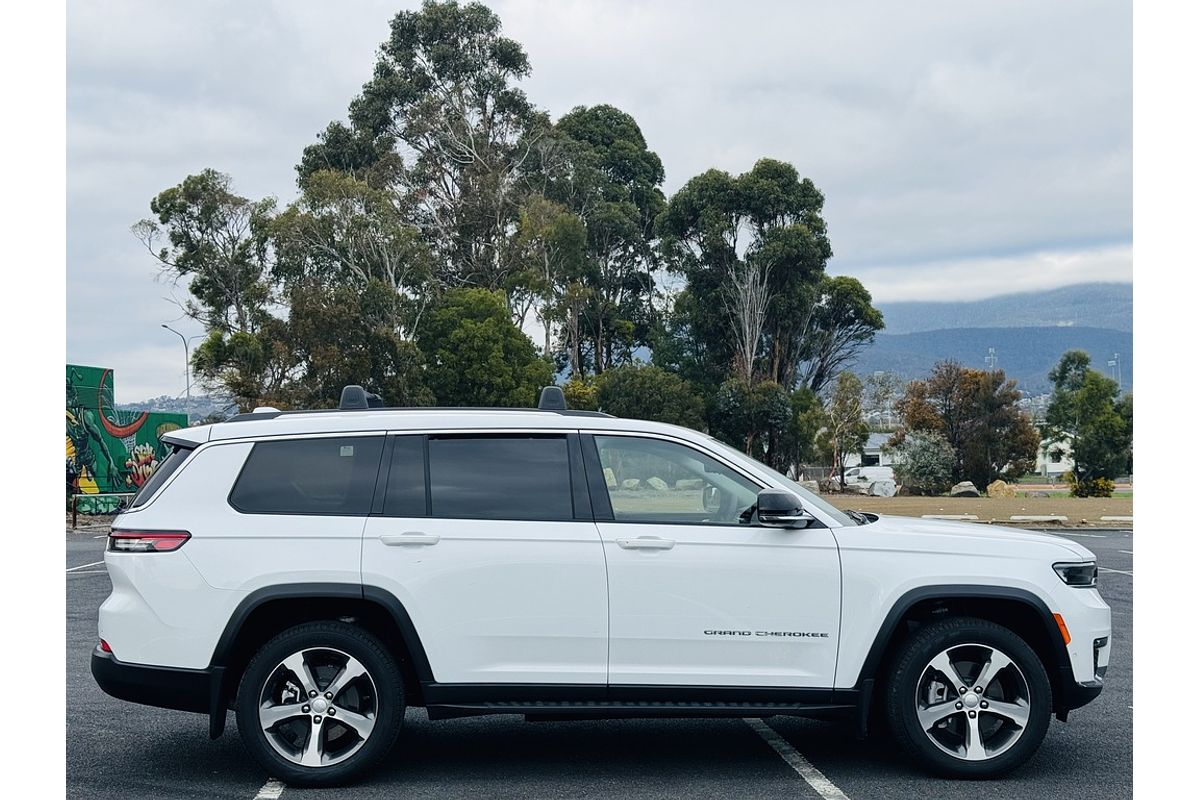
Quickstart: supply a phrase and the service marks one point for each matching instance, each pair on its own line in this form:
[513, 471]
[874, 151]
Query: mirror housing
[710, 498]
[779, 508]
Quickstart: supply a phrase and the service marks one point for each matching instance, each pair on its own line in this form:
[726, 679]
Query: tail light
[146, 541]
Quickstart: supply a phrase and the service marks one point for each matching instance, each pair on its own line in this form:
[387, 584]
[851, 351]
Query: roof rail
[356, 398]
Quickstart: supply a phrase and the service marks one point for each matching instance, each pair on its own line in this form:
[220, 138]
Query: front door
[488, 541]
[697, 595]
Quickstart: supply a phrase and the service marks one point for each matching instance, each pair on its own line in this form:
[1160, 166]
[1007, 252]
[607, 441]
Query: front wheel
[968, 698]
[320, 704]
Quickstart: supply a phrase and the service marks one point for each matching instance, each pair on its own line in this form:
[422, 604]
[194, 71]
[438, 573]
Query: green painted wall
[110, 450]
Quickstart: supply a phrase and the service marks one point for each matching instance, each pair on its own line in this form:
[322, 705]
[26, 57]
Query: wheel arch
[1019, 610]
[270, 610]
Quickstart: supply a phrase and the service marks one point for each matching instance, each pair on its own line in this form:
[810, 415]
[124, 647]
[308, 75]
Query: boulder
[858, 488]
[689, 483]
[609, 478]
[630, 483]
[999, 488]
[882, 489]
[829, 486]
[964, 489]
[1038, 494]
[657, 483]
[812, 486]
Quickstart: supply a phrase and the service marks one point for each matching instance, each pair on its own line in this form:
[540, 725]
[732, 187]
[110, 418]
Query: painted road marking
[1085, 535]
[1123, 572]
[82, 566]
[271, 790]
[1126, 552]
[811, 774]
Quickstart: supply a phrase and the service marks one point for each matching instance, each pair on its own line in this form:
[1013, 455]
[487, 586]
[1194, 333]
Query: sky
[965, 150]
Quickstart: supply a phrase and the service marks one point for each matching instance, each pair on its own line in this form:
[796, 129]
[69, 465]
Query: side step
[545, 711]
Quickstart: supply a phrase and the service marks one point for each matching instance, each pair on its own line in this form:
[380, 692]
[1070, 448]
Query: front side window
[651, 480]
[500, 477]
[333, 475]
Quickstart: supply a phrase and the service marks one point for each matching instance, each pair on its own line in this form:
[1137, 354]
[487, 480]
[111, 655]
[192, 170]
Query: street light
[187, 370]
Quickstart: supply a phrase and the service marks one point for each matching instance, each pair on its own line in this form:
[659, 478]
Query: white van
[868, 475]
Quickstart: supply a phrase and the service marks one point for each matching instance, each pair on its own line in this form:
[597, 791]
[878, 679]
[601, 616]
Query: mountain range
[1028, 332]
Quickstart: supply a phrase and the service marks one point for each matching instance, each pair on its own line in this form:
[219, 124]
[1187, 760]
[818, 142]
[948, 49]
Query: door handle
[409, 537]
[646, 543]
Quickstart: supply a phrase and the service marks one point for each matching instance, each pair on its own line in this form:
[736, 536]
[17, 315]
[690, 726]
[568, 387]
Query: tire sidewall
[389, 701]
[909, 667]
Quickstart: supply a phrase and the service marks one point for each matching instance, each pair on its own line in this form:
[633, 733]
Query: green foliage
[581, 395]
[476, 356]
[647, 392]
[751, 416]
[924, 463]
[1087, 411]
[1089, 487]
[845, 429]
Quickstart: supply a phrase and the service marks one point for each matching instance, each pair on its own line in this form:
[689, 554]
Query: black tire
[380, 696]
[961, 635]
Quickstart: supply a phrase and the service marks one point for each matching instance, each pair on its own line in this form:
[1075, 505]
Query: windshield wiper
[859, 517]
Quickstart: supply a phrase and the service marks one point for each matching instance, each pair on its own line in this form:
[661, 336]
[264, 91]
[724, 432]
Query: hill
[1026, 354]
[1087, 305]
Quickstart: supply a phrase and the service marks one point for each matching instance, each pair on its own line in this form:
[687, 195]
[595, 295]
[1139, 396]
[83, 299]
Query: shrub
[1093, 487]
[924, 463]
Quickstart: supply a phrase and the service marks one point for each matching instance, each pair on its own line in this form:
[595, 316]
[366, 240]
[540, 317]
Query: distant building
[1054, 458]
[873, 454]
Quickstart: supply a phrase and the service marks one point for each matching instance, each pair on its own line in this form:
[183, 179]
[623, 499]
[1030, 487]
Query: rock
[964, 489]
[609, 478]
[882, 489]
[858, 488]
[630, 483]
[658, 483]
[689, 483]
[1038, 494]
[999, 488]
[812, 486]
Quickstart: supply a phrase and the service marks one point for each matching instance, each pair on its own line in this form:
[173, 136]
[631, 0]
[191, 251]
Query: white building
[873, 454]
[1054, 458]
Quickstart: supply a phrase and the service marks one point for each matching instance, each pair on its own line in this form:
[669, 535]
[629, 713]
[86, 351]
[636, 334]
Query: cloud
[941, 133]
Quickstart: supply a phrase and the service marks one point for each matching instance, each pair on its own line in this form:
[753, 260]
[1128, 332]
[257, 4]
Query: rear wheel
[320, 704]
[968, 698]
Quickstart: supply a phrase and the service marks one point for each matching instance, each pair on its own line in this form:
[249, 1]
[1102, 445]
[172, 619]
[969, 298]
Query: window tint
[500, 477]
[651, 480]
[309, 476]
[406, 480]
[160, 475]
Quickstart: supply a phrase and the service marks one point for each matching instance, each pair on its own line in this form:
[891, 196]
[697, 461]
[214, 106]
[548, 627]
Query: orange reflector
[1062, 628]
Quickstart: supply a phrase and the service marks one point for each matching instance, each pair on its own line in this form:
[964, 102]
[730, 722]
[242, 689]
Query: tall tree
[444, 112]
[845, 429]
[1087, 411]
[977, 413]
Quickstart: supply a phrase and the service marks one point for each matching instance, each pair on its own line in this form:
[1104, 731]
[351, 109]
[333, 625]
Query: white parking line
[271, 790]
[791, 755]
[1126, 552]
[82, 566]
[1084, 535]
[1123, 572]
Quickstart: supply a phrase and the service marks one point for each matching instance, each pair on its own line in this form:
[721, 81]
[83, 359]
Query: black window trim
[177, 446]
[304, 437]
[581, 498]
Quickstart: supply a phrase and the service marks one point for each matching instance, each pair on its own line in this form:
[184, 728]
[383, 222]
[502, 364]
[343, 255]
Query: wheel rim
[318, 707]
[973, 702]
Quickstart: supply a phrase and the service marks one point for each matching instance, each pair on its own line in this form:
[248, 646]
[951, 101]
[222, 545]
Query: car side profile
[320, 572]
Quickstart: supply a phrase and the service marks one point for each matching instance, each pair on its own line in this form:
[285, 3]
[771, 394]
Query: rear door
[487, 540]
[697, 596]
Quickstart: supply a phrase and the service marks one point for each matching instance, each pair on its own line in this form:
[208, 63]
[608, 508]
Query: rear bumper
[165, 687]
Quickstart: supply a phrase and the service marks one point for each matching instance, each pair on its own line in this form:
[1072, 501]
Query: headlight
[1081, 575]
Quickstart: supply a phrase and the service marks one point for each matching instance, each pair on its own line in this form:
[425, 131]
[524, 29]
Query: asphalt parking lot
[121, 750]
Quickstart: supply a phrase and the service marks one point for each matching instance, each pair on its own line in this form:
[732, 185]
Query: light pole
[187, 370]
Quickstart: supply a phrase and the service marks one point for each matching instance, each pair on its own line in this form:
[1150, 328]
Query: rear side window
[309, 476]
[500, 477]
[406, 479]
[165, 470]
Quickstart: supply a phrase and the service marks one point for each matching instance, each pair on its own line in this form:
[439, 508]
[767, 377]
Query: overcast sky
[965, 150]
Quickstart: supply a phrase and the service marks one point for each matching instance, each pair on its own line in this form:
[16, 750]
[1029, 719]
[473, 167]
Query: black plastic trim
[1062, 674]
[264, 415]
[580, 496]
[164, 687]
[594, 471]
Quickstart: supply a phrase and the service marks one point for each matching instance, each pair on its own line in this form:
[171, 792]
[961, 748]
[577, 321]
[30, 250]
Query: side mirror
[710, 496]
[779, 508]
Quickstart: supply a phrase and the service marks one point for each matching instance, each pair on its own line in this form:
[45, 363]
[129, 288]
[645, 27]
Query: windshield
[808, 498]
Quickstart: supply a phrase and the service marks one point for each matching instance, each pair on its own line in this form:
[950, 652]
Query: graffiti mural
[109, 450]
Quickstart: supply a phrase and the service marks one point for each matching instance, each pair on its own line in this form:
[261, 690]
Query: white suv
[321, 571]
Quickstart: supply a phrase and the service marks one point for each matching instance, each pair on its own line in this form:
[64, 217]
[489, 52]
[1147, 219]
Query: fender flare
[222, 653]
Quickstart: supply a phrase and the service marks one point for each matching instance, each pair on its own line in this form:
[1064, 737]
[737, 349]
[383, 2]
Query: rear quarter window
[330, 475]
[165, 470]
